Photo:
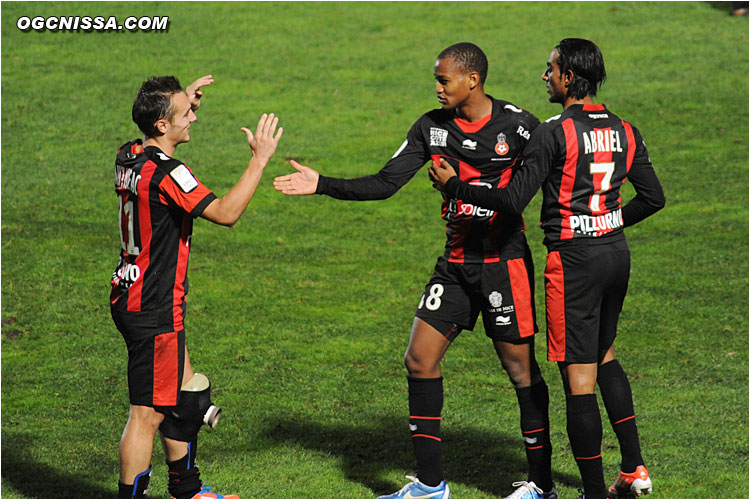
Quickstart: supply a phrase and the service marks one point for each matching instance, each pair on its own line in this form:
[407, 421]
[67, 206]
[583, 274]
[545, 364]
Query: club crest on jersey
[438, 137]
[501, 147]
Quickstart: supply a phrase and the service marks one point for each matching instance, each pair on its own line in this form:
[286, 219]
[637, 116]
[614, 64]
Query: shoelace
[413, 479]
[527, 488]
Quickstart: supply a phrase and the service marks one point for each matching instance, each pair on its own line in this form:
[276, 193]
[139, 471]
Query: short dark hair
[585, 60]
[154, 103]
[469, 57]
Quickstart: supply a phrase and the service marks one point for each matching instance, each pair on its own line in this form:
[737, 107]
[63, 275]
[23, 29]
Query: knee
[518, 372]
[419, 366]
[145, 416]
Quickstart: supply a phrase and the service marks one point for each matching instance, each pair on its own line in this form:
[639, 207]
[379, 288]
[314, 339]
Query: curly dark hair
[469, 57]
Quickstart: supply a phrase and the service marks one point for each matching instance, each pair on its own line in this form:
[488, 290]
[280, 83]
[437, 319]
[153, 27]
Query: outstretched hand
[263, 142]
[193, 90]
[303, 181]
[440, 174]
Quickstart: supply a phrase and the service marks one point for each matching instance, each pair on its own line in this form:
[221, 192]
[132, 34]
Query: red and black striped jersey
[580, 158]
[159, 197]
[484, 153]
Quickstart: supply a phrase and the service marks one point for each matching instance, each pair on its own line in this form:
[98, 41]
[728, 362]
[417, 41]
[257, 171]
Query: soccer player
[486, 266]
[159, 198]
[581, 158]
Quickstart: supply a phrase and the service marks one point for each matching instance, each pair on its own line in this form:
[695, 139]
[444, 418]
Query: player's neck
[476, 109]
[160, 142]
[570, 101]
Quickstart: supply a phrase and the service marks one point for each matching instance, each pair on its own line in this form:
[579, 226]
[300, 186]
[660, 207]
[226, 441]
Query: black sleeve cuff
[200, 207]
[322, 184]
[451, 187]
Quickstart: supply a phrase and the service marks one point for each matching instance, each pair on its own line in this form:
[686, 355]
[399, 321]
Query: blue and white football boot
[415, 489]
[531, 490]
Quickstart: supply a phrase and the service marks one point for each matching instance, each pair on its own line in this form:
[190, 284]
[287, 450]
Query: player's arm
[409, 158]
[228, 209]
[649, 197]
[533, 170]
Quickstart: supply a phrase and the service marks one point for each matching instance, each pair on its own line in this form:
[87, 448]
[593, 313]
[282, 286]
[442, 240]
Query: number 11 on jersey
[127, 232]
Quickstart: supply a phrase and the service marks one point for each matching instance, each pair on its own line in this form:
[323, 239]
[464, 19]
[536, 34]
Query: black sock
[618, 399]
[184, 475]
[138, 489]
[425, 406]
[533, 402]
[585, 434]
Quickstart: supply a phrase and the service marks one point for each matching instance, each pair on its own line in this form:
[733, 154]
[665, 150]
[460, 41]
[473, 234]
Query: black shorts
[156, 358]
[502, 291]
[585, 288]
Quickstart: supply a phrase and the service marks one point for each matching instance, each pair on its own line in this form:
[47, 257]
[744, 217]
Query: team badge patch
[182, 176]
[496, 299]
[501, 147]
[438, 137]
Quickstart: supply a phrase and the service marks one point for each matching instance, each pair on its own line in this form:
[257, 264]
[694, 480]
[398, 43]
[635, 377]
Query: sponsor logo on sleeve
[182, 176]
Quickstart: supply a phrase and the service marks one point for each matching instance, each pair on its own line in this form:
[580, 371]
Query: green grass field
[300, 314]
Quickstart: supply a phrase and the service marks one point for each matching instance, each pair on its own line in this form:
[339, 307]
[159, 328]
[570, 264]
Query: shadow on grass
[35, 479]
[489, 462]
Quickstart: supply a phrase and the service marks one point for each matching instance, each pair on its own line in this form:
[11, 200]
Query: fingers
[250, 137]
[203, 81]
[248, 133]
[296, 165]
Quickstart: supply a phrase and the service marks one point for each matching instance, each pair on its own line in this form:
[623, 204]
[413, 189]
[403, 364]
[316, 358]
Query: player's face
[452, 83]
[179, 126]
[554, 79]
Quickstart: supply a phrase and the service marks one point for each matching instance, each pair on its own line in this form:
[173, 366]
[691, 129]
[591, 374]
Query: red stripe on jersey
[472, 127]
[519, 286]
[631, 143]
[166, 369]
[600, 157]
[505, 176]
[567, 182]
[183, 255]
[494, 225]
[186, 201]
[554, 286]
[144, 229]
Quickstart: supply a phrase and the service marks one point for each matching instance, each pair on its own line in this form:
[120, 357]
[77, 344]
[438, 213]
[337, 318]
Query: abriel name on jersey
[601, 141]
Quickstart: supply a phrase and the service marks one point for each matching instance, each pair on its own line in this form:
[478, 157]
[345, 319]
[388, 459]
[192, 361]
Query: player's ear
[474, 80]
[161, 126]
[568, 78]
